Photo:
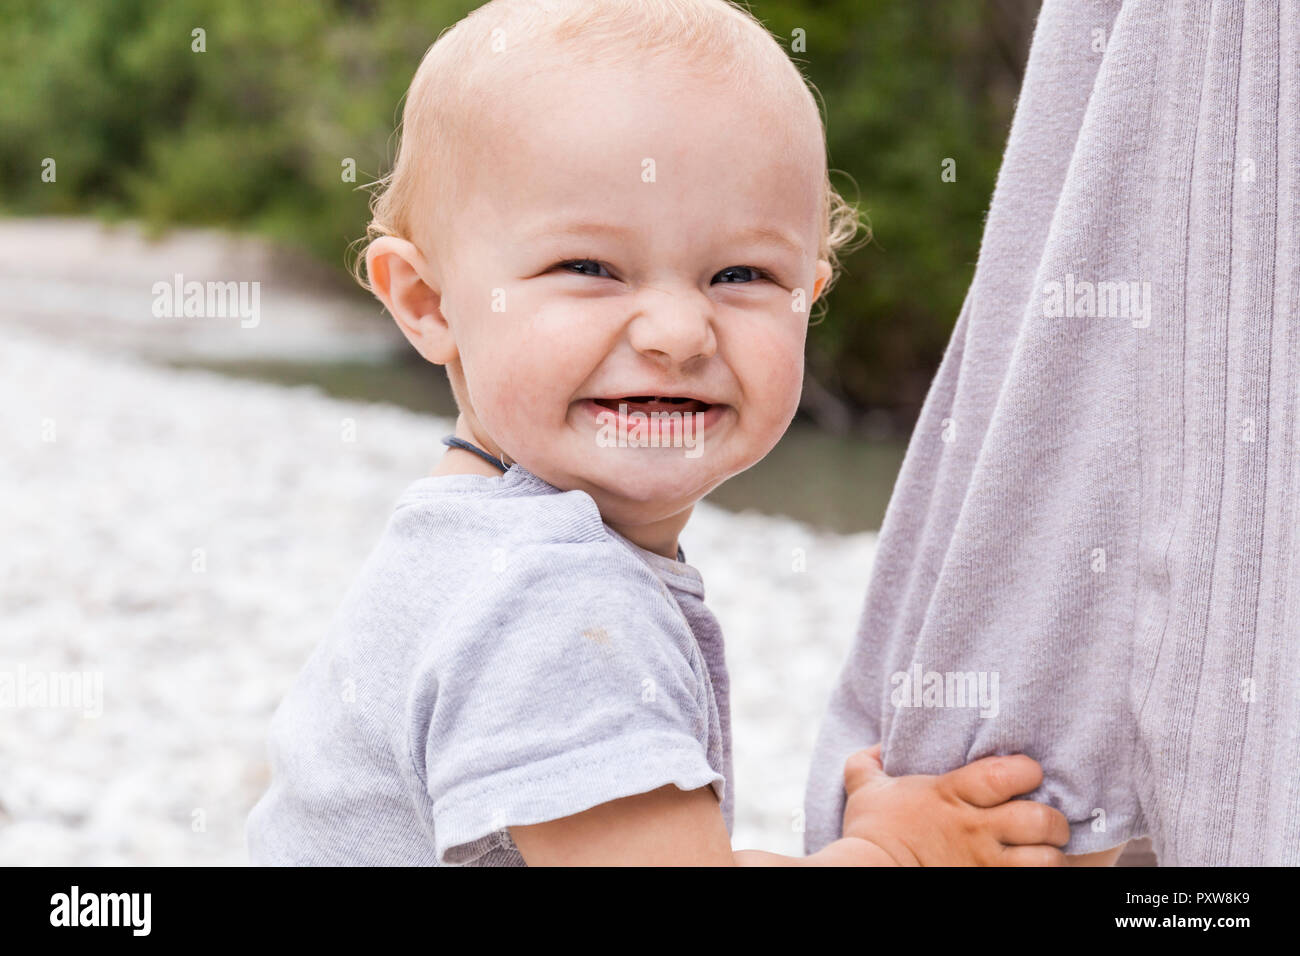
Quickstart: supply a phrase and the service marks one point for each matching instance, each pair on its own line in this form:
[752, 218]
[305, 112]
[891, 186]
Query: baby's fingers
[863, 767]
[1031, 856]
[993, 780]
[1025, 822]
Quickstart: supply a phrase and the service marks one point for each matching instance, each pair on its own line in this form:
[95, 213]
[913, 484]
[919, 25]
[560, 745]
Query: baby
[608, 221]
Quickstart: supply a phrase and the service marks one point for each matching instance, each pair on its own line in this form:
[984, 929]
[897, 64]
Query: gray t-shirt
[504, 658]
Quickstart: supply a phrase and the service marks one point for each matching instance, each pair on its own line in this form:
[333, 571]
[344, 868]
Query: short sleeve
[568, 679]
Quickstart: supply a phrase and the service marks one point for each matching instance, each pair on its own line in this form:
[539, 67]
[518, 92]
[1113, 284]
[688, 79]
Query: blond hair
[454, 82]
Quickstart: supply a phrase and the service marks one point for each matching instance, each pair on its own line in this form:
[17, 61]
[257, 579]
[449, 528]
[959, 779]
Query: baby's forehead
[559, 111]
[753, 74]
[645, 104]
[625, 146]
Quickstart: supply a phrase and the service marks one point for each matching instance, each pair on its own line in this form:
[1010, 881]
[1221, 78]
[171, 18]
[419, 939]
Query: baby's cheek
[777, 379]
[515, 404]
[527, 393]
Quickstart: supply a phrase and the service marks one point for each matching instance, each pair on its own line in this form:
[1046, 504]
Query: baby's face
[627, 236]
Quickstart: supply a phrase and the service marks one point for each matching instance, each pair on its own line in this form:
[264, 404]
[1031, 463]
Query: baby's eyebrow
[578, 227]
[770, 235]
[586, 227]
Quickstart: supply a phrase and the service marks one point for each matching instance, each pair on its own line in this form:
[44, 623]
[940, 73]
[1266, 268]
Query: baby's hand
[962, 818]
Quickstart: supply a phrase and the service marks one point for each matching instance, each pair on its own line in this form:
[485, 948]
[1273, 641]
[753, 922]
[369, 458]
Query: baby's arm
[962, 817]
[665, 827]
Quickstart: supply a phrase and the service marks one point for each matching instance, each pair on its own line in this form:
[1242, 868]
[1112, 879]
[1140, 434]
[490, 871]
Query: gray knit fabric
[1095, 521]
[503, 658]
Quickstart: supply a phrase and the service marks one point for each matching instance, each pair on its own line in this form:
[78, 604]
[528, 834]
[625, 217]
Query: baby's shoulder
[516, 539]
[514, 511]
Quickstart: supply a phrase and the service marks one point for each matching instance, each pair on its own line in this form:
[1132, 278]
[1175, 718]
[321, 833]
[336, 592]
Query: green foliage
[906, 85]
[251, 135]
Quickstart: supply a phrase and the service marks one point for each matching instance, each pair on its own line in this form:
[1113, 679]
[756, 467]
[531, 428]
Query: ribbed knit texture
[1100, 506]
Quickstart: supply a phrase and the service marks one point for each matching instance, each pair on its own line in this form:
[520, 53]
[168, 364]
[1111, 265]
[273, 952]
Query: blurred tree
[252, 134]
[907, 86]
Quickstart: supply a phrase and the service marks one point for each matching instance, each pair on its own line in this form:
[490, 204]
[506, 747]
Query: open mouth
[654, 403]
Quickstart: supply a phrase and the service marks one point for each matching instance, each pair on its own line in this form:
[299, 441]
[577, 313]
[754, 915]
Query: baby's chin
[644, 484]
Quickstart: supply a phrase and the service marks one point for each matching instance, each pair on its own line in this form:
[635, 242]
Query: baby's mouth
[654, 403]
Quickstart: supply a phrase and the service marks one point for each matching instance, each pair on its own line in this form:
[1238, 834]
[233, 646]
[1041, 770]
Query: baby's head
[603, 200]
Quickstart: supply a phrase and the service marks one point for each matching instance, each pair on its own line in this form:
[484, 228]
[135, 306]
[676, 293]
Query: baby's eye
[585, 262]
[754, 274]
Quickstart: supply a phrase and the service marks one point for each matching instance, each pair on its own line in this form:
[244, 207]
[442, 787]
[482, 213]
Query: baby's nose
[673, 329]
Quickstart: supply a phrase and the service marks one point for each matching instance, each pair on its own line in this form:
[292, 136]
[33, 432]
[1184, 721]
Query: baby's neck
[660, 536]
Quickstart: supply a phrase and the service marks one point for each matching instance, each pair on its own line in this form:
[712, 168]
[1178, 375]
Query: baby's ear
[397, 273]
[823, 274]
